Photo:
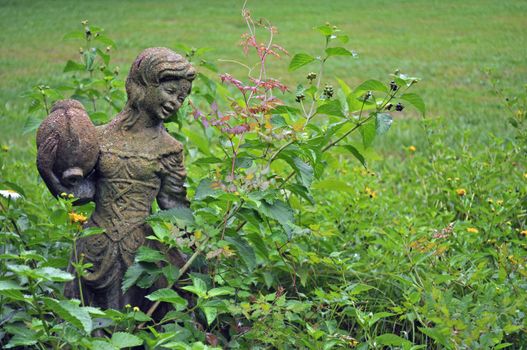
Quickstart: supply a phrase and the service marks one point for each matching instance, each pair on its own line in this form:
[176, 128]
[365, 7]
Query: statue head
[158, 82]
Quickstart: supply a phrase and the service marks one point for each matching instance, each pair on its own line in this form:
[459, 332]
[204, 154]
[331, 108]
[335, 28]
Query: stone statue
[123, 167]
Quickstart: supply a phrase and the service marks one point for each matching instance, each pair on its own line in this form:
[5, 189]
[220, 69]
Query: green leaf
[285, 110]
[9, 285]
[101, 345]
[332, 107]
[210, 313]
[125, 340]
[278, 211]
[206, 190]
[215, 292]
[72, 66]
[368, 132]
[148, 254]
[105, 40]
[392, 339]
[325, 30]
[77, 34]
[416, 101]
[169, 296]
[244, 250]
[436, 334]
[332, 185]
[383, 121]
[338, 51]
[131, 276]
[371, 85]
[304, 170]
[300, 60]
[71, 312]
[181, 215]
[356, 154]
[32, 123]
[53, 274]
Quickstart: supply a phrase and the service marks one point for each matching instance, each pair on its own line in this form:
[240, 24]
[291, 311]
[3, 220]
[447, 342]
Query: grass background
[447, 43]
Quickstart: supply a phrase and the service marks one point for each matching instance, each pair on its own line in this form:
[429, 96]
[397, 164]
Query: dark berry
[393, 86]
[311, 76]
[389, 106]
[328, 91]
[300, 97]
[399, 107]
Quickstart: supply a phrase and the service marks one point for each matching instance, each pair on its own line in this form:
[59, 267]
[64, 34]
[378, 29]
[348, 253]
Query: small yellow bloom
[461, 192]
[525, 175]
[472, 230]
[499, 202]
[64, 195]
[136, 309]
[71, 196]
[198, 234]
[128, 306]
[370, 192]
[5, 148]
[524, 233]
[227, 251]
[77, 218]
[412, 148]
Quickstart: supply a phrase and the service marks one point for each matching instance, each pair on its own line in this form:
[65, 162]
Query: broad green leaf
[205, 189]
[332, 107]
[132, 275]
[72, 66]
[148, 254]
[416, 101]
[210, 313]
[278, 211]
[356, 154]
[338, 51]
[125, 340]
[325, 30]
[244, 250]
[300, 60]
[9, 285]
[169, 296]
[392, 339]
[181, 215]
[383, 121]
[371, 85]
[71, 312]
[53, 274]
[438, 335]
[77, 34]
[368, 132]
[285, 110]
[304, 170]
[32, 123]
[101, 345]
[214, 292]
[105, 40]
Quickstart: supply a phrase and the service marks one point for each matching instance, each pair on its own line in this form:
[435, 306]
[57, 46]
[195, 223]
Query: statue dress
[128, 181]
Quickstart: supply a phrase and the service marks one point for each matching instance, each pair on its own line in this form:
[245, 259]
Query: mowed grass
[447, 43]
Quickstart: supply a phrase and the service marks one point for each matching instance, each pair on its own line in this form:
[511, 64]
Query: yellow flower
[198, 234]
[525, 175]
[412, 148]
[370, 192]
[77, 218]
[524, 233]
[5, 148]
[461, 192]
[472, 230]
[499, 202]
[227, 251]
[136, 309]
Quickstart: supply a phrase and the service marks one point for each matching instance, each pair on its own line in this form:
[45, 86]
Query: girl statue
[137, 162]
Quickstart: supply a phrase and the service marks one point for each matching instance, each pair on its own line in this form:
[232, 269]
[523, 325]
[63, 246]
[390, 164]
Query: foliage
[301, 251]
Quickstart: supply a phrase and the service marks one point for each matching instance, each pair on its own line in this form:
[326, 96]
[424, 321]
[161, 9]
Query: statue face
[162, 101]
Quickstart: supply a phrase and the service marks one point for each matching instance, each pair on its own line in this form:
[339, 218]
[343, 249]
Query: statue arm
[173, 192]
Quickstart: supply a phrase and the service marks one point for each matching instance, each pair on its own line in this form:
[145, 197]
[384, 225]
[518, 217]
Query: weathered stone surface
[138, 162]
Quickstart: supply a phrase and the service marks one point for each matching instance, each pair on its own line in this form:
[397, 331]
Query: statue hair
[146, 70]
